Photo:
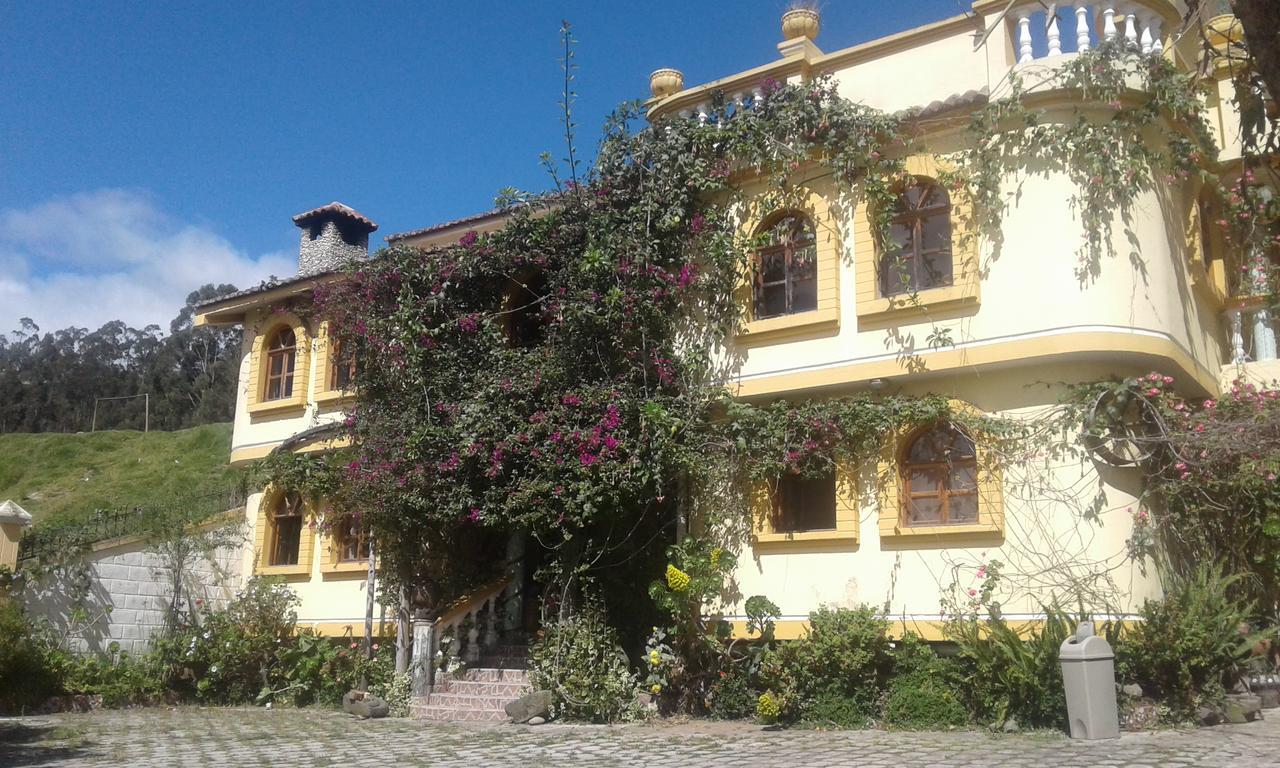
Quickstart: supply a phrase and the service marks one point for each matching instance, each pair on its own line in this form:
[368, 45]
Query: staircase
[478, 693]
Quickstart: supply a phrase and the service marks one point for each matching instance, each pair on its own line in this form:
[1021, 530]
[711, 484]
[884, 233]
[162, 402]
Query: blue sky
[149, 148]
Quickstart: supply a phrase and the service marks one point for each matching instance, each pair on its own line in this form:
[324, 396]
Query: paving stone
[199, 737]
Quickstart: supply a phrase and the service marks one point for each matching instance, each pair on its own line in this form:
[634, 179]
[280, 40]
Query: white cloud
[113, 254]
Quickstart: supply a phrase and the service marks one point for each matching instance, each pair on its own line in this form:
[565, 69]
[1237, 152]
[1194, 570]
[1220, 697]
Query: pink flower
[973, 592]
[468, 239]
[982, 571]
[375, 646]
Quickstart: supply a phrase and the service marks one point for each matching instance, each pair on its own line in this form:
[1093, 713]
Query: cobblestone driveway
[296, 738]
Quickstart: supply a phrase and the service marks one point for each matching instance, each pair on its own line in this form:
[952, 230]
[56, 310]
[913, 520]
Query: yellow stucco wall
[1048, 547]
[332, 599]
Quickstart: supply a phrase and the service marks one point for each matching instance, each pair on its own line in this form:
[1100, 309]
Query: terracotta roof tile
[337, 209]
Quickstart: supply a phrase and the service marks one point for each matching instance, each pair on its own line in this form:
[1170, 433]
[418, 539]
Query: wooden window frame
[787, 248]
[915, 216]
[288, 506]
[943, 490]
[342, 539]
[781, 515]
[288, 355]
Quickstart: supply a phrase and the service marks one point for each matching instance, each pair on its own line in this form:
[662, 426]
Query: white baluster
[1157, 36]
[1145, 19]
[1055, 37]
[702, 113]
[739, 103]
[491, 630]
[757, 95]
[1237, 336]
[1264, 335]
[1131, 28]
[472, 654]
[1024, 36]
[1082, 27]
[1108, 22]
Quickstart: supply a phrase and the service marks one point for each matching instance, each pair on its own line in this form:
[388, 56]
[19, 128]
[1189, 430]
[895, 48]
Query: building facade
[826, 318]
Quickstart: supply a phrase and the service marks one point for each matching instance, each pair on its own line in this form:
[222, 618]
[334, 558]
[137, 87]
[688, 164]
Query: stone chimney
[332, 235]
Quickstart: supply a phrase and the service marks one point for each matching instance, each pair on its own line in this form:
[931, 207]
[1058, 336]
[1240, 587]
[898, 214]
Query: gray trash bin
[1089, 676]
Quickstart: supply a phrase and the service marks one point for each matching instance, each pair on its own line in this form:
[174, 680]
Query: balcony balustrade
[1038, 33]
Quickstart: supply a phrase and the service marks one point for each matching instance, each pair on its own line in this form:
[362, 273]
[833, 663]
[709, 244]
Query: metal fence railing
[61, 536]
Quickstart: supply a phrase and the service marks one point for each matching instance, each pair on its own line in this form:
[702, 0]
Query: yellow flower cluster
[656, 688]
[715, 557]
[654, 658]
[677, 579]
[767, 708]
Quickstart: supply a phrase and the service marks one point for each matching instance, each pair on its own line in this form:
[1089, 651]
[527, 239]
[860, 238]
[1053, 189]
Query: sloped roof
[339, 210]
[10, 512]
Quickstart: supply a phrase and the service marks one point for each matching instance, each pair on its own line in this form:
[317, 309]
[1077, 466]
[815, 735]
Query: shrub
[922, 693]
[26, 679]
[733, 697]
[1188, 645]
[1013, 673]
[836, 672]
[581, 662]
[232, 657]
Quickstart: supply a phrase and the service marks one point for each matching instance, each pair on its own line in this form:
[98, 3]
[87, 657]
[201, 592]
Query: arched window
[286, 530]
[786, 269]
[940, 478]
[918, 254]
[342, 368]
[282, 353]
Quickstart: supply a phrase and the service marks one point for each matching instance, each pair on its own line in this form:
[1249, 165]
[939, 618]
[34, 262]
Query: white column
[1264, 335]
[1052, 32]
[491, 628]
[1146, 20]
[702, 113]
[1236, 330]
[1082, 27]
[426, 640]
[1131, 28]
[1157, 36]
[1108, 21]
[756, 95]
[1024, 36]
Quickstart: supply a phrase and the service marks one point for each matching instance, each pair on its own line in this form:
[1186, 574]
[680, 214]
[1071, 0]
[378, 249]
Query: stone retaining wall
[135, 584]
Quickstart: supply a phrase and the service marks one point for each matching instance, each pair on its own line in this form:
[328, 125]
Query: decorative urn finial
[664, 82]
[801, 22]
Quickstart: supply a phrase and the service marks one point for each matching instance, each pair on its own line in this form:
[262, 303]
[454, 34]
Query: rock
[1243, 707]
[1270, 697]
[1208, 716]
[646, 702]
[537, 720]
[1010, 726]
[364, 705]
[1132, 690]
[529, 706]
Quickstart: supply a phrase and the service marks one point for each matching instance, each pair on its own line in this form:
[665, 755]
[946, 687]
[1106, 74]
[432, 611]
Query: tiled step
[465, 701]
[490, 675]
[512, 690]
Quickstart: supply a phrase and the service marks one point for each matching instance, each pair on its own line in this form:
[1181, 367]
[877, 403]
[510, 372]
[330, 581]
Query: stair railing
[466, 629]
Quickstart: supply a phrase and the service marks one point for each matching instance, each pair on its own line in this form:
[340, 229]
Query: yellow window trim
[763, 534]
[324, 370]
[262, 537]
[258, 369]
[762, 209]
[889, 491]
[965, 290]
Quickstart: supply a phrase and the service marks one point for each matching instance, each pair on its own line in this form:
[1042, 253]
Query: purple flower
[468, 238]
[571, 400]
[468, 323]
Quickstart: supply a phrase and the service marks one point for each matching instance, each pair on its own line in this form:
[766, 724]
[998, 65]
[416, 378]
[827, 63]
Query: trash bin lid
[1076, 648]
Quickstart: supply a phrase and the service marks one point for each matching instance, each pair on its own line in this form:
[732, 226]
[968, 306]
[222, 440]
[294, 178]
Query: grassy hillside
[69, 475]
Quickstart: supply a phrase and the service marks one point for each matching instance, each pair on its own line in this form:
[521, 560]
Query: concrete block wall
[136, 585]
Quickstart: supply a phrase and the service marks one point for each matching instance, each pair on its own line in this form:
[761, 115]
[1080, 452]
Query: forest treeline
[50, 380]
